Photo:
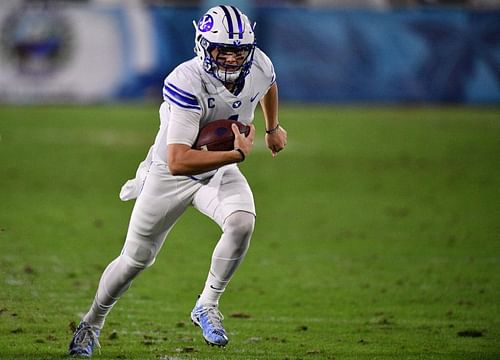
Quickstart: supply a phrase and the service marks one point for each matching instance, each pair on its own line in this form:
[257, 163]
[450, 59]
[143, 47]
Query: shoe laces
[87, 335]
[214, 316]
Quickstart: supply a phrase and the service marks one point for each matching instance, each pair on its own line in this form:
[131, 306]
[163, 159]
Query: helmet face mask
[231, 61]
[225, 43]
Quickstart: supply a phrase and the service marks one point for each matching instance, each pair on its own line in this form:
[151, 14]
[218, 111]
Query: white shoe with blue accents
[209, 319]
[84, 340]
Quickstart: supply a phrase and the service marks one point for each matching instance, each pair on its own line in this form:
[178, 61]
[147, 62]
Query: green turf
[378, 237]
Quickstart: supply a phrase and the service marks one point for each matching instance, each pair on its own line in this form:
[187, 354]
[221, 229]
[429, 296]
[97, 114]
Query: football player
[226, 80]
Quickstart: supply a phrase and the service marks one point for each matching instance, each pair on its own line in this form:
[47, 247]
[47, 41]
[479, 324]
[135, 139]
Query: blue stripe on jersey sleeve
[180, 91]
[188, 100]
[166, 96]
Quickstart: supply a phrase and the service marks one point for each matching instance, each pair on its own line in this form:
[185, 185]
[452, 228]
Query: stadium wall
[95, 53]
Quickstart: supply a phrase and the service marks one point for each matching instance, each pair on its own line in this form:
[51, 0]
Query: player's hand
[276, 141]
[242, 142]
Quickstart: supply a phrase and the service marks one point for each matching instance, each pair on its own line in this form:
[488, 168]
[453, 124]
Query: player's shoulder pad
[263, 63]
[179, 87]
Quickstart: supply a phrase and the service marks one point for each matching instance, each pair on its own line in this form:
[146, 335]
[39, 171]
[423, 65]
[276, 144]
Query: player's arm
[183, 160]
[276, 136]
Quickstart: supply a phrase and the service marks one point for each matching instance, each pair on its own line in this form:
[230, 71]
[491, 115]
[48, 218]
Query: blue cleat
[84, 340]
[209, 319]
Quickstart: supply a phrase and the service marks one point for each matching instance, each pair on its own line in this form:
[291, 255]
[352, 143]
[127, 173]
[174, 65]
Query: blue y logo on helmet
[206, 23]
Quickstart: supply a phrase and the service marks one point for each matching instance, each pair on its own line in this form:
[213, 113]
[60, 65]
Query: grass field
[378, 237]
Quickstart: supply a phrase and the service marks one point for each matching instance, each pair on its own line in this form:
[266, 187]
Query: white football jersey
[193, 98]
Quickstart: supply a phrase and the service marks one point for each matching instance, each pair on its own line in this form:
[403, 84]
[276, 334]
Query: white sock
[227, 255]
[115, 280]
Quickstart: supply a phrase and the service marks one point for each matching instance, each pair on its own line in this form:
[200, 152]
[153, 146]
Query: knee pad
[240, 223]
[139, 255]
[238, 229]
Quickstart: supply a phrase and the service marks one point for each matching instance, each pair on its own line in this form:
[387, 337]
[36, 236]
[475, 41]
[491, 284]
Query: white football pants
[226, 198]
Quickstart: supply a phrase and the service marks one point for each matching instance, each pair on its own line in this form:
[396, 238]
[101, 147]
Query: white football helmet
[227, 29]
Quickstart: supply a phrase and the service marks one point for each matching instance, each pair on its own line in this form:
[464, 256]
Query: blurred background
[378, 234]
[324, 51]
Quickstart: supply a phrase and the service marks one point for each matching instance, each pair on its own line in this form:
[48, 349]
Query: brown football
[218, 136]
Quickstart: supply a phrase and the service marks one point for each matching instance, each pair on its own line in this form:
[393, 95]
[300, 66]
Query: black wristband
[273, 130]
[242, 154]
